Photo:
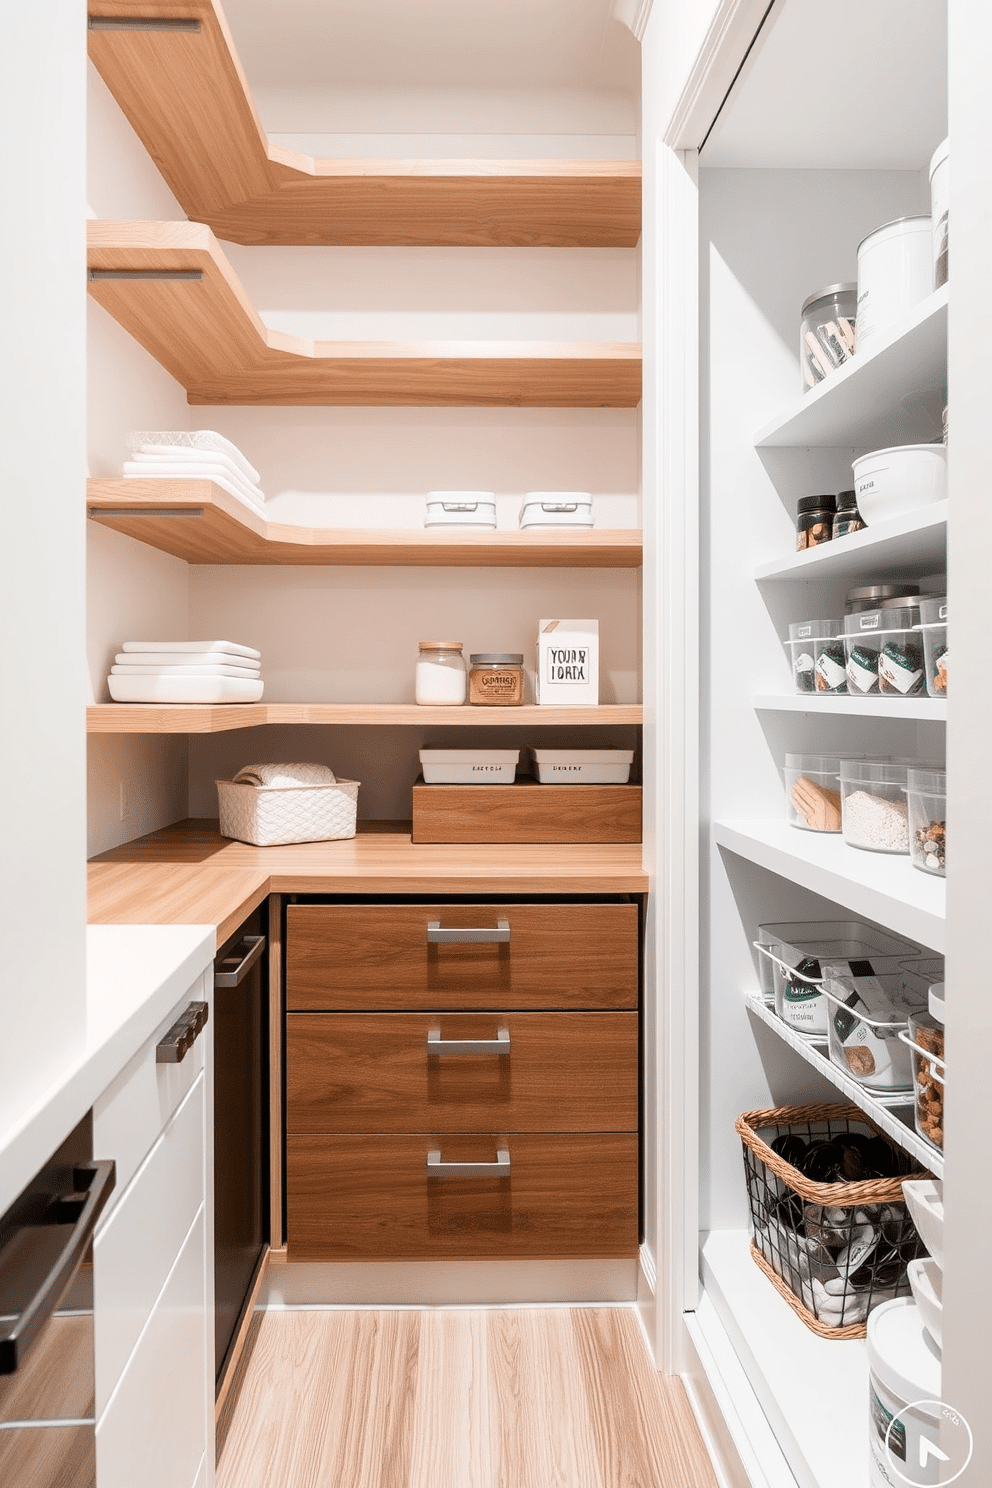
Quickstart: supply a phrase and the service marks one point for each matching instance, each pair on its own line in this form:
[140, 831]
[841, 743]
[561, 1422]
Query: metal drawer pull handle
[437, 1168]
[244, 954]
[500, 933]
[438, 1045]
[173, 1047]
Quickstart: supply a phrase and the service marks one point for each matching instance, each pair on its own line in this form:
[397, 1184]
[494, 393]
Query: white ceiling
[512, 44]
[848, 83]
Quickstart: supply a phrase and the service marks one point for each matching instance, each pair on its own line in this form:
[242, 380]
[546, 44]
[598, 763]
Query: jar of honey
[496, 679]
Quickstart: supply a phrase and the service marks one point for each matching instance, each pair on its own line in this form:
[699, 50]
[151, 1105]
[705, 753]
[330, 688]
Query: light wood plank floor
[508, 1398]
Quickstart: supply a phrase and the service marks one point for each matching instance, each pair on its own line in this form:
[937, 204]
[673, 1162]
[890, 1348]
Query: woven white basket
[271, 815]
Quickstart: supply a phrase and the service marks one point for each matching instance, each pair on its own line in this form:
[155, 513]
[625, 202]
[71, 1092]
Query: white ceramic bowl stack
[925, 1202]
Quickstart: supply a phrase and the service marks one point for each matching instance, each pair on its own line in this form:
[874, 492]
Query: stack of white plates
[193, 454]
[186, 672]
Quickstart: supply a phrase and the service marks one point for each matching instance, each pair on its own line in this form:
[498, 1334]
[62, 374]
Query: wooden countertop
[189, 874]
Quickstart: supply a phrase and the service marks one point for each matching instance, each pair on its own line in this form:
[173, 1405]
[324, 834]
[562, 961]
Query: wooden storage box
[526, 812]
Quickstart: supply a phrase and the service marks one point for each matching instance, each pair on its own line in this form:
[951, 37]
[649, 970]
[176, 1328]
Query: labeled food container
[868, 1014]
[795, 958]
[847, 518]
[826, 332]
[939, 204]
[556, 509]
[926, 793]
[904, 478]
[814, 520]
[884, 652]
[809, 639]
[829, 1223]
[933, 627]
[895, 272]
[877, 596]
[812, 792]
[581, 766]
[926, 1042]
[272, 815]
[461, 509]
[904, 1373]
[469, 766]
[874, 813]
[829, 659]
[440, 679]
[496, 679]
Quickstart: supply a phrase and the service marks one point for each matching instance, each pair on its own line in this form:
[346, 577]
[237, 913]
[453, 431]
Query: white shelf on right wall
[884, 887]
[913, 543]
[932, 709]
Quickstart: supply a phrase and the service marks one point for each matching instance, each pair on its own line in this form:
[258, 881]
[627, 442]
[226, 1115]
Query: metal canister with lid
[879, 597]
[496, 679]
[826, 332]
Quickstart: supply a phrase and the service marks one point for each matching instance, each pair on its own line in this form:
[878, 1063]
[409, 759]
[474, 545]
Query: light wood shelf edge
[199, 522]
[219, 163]
[161, 718]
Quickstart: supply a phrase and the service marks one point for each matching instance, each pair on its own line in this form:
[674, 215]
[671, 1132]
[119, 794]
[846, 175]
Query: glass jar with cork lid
[440, 677]
[496, 679]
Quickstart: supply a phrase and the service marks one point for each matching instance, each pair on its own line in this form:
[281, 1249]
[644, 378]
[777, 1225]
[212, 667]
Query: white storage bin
[582, 766]
[904, 1371]
[272, 815]
[469, 766]
[895, 272]
[556, 509]
[461, 509]
[900, 479]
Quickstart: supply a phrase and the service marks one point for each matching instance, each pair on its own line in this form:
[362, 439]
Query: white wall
[42, 467]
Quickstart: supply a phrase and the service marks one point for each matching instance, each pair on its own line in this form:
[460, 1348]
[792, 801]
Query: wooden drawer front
[368, 1072]
[367, 1197]
[377, 957]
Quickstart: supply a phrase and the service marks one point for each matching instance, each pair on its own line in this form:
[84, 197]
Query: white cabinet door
[152, 1433]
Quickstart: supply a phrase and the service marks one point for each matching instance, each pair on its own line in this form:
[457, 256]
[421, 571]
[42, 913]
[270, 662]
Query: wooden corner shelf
[200, 522]
[156, 718]
[171, 287]
[185, 94]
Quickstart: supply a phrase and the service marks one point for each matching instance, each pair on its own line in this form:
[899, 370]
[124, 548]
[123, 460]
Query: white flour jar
[440, 677]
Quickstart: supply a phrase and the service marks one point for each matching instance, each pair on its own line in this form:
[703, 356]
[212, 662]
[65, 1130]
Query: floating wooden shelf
[200, 522]
[170, 286]
[156, 718]
[185, 94]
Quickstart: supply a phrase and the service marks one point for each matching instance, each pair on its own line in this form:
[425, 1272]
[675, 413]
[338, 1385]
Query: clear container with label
[829, 659]
[826, 331]
[884, 652]
[867, 1015]
[926, 794]
[440, 677]
[933, 628]
[812, 792]
[804, 638]
[794, 958]
[874, 813]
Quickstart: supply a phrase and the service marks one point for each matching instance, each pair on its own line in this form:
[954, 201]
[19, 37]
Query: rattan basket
[807, 1236]
[272, 815]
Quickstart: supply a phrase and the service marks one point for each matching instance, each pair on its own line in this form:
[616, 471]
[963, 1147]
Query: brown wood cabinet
[462, 1080]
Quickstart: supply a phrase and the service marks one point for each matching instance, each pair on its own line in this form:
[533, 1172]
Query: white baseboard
[450, 1283]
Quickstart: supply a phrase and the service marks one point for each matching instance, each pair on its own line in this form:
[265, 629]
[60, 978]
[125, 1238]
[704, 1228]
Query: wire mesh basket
[833, 1236]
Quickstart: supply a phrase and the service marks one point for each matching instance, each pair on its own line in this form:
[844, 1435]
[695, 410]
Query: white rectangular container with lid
[556, 509]
[461, 509]
[469, 766]
[581, 766]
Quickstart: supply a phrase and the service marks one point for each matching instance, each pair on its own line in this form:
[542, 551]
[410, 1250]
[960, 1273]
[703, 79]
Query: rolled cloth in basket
[285, 775]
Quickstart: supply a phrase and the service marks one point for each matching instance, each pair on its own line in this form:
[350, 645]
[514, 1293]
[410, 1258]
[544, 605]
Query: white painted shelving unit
[914, 542]
[928, 708]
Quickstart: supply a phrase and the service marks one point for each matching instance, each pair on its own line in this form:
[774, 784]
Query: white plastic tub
[556, 509]
[926, 1282]
[900, 479]
[461, 509]
[903, 1370]
[582, 766]
[925, 1202]
[895, 272]
[469, 766]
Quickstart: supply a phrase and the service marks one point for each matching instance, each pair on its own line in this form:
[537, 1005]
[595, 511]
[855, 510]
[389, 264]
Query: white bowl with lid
[900, 479]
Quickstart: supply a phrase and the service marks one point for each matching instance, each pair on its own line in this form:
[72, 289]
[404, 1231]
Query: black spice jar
[847, 518]
[814, 521]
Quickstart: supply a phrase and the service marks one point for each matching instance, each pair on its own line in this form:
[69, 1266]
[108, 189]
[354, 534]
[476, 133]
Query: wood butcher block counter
[189, 874]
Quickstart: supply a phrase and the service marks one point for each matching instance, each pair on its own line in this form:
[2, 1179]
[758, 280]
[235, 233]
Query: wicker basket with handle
[832, 1250]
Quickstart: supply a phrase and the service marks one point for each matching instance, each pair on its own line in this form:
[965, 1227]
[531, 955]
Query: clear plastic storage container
[867, 1015]
[926, 795]
[804, 646]
[884, 652]
[795, 958]
[933, 628]
[926, 1041]
[812, 792]
[874, 812]
[829, 658]
[826, 331]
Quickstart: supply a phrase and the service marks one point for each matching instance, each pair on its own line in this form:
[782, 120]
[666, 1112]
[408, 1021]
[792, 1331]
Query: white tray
[582, 766]
[469, 766]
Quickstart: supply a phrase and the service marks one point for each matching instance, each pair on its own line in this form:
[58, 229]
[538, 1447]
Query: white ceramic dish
[582, 766]
[469, 766]
[901, 479]
[925, 1202]
[926, 1281]
[183, 690]
[556, 509]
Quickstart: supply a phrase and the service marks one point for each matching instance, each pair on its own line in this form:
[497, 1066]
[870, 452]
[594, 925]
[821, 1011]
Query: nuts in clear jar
[929, 1091]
